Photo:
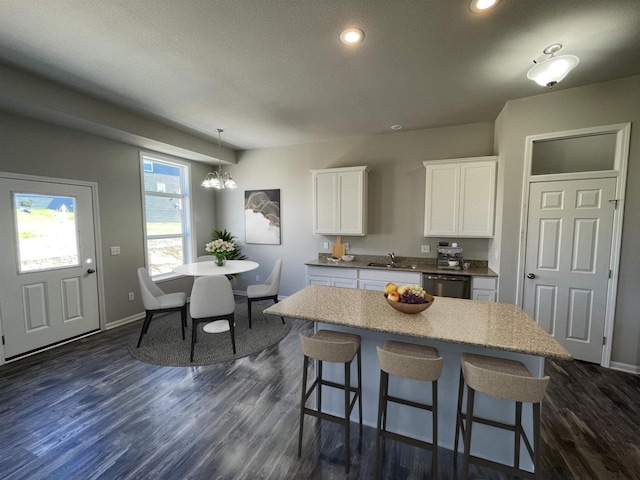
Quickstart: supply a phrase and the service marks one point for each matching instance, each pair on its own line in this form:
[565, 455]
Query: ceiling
[275, 73]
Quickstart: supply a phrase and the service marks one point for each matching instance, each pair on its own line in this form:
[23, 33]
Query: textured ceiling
[273, 72]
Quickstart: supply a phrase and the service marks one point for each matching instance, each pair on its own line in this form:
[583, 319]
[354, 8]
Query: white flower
[219, 247]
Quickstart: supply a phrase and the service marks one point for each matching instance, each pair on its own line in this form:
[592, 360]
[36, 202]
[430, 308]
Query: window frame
[188, 227]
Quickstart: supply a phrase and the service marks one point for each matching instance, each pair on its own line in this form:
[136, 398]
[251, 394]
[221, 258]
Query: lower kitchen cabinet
[378, 279]
[364, 279]
[484, 289]
[332, 277]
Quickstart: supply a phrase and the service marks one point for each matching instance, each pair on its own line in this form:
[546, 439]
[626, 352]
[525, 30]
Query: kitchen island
[453, 326]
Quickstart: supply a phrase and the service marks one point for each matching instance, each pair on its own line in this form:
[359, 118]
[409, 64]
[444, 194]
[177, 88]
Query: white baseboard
[625, 367]
[124, 321]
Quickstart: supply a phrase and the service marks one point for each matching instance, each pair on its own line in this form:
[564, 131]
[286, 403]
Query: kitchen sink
[392, 265]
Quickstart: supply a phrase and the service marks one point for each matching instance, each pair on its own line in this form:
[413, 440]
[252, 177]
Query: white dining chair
[211, 300]
[267, 291]
[156, 301]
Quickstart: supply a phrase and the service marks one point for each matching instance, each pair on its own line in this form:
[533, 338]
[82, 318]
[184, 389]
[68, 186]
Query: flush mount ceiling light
[351, 36]
[219, 179]
[550, 71]
[479, 6]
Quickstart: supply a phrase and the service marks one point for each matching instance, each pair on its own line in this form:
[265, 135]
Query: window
[167, 214]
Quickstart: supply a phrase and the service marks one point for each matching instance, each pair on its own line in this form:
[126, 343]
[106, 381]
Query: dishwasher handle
[456, 278]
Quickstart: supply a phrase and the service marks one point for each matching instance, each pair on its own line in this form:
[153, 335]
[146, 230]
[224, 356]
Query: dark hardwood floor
[88, 410]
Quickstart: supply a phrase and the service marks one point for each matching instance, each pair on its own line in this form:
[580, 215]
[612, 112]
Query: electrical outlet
[132, 296]
[346, 247]
[115, 250]
[257, 278]
[326, 245]
[425, 249]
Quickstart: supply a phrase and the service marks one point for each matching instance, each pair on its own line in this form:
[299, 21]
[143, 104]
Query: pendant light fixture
[550, 71]
[219, 179]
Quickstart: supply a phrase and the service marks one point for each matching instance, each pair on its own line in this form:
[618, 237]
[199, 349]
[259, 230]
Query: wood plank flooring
[88, 410]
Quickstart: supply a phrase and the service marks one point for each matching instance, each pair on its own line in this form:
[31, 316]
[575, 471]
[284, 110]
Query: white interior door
[568, 260]
[48, 285]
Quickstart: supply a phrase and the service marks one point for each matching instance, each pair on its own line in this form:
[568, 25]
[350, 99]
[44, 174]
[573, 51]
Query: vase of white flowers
[221, 250]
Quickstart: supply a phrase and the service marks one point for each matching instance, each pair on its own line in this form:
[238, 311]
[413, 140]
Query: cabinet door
[325, 203]
[477, 199]
[313, 280]
[351, 203]
[484, 295]
[344, 283]
[372, 285]
[442, 200]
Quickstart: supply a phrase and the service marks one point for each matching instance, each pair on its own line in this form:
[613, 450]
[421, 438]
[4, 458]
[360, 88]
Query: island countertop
[502, 326]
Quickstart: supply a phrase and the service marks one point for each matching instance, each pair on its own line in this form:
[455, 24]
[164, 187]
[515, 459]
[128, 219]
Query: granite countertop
[502, 326]
[423, 265]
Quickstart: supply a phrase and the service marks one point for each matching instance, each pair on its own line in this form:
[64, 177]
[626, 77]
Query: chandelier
[219, 179]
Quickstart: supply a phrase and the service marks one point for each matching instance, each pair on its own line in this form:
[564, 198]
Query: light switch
[115, 250]
[326, 245]
[346, 247]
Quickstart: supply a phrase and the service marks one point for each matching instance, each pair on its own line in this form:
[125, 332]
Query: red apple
[394, 297]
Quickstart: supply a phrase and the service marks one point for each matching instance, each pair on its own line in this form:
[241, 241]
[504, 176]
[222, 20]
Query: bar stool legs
[336, 347]
[417, 362]
[509, 380]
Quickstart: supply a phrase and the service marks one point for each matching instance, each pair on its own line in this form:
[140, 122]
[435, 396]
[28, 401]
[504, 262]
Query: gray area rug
[163, 344]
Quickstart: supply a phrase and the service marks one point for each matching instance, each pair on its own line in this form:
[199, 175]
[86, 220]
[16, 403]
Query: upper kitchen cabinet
[340, 201]
[460, 197]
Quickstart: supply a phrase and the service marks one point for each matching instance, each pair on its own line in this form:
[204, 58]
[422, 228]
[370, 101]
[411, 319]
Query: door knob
[531, 275]
[91, 270]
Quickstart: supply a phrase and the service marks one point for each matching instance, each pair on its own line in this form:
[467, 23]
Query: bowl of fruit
[408, 298]
[333, 259]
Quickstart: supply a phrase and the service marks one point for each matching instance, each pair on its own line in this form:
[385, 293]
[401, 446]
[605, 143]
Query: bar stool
[416, 362]
[336, 347]
[510, 380]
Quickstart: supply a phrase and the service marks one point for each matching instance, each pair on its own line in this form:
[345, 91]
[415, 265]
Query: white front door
[48, 285]
[567, 262]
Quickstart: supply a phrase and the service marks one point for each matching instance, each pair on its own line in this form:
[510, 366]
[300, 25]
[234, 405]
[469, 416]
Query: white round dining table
[201, 269]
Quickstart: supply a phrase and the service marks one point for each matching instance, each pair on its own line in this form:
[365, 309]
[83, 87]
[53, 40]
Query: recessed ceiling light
[479, 6]
[396, 127]
[351, 36]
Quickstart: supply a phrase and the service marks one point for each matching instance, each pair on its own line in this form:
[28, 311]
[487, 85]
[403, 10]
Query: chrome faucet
[392, 256]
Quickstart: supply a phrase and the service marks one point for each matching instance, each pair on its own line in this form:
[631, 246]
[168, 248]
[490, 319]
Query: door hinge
[604, 340]
[3, 339]
[610, 273]
[615, 203]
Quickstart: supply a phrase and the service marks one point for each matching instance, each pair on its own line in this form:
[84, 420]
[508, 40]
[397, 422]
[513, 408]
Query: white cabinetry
[364, 279]
[378, 279]
[340, 201]
[484, 289]
[332, 277]
[460, 197]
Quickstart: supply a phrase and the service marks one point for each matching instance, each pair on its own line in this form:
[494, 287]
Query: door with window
[568, 260]
[48, 281]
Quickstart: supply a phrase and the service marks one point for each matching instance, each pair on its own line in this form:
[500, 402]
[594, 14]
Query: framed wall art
[262, 216]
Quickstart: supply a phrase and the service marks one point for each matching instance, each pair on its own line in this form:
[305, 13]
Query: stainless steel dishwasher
[456, 286]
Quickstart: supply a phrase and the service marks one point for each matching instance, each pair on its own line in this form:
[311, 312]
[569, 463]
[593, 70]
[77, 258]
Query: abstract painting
[262, 216]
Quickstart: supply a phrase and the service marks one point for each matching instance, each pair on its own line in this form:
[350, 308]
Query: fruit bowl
[333, 259]
[411, 307]
[347, 258]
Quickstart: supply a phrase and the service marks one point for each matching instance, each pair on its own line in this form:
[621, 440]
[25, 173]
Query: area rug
[163, 344]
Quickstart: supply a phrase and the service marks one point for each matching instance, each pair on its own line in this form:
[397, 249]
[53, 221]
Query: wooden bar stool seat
[415, 362]
[509, 380]
[335, 347]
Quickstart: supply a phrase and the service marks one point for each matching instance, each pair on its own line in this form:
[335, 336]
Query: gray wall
[38, 148]
[396, 194]
[594, 105]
